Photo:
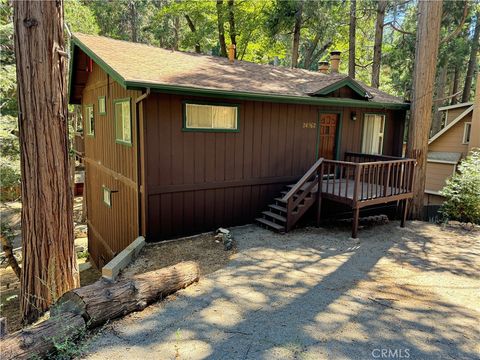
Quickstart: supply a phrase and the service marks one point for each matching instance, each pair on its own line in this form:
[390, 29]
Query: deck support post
[404, 212]
[319, 194]
[356, 214]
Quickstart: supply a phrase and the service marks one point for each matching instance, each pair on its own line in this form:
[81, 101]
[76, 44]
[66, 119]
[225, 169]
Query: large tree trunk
[231, 21]
[472, 62]
[221, 30]
[49, 262]
[40, 340]
[456, 79]
[439, 101]
[191, 25]
[296, 34]
[352, 38]
[377, 47]
[133, 20]
[95, 304]
[426, 50]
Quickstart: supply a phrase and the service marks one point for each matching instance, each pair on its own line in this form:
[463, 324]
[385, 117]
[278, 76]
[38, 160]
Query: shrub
[462, 191]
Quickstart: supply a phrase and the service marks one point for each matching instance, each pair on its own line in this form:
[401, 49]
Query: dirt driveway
[316, 294]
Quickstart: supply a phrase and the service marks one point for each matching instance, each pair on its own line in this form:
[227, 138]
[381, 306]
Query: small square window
[102, 105]
[466, 132]
[90, 120]
[107, 196]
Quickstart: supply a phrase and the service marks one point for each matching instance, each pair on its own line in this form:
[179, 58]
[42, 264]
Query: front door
[327, 135]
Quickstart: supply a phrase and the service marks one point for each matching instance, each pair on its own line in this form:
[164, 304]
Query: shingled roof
[136, 65]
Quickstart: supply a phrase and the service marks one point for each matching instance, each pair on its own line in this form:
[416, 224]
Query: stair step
[279, 208]
[271, 224]
[280, 200]
[275, 216]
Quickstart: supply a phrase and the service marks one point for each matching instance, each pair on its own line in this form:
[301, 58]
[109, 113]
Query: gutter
[139, 166]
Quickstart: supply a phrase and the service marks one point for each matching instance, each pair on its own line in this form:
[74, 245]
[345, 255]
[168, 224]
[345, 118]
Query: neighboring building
[179, 143]
[446, 149]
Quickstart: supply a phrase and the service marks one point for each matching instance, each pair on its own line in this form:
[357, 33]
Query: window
[107, 196]
[90, 120]
[102, 105]
[211, 117]
[466, 132]
[373, 131]
[123, 123]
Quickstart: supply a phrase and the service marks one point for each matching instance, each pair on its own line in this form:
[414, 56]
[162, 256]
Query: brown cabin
[448, 147]
[179, 143]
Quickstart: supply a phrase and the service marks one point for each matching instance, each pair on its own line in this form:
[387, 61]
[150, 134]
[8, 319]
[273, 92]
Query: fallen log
[93, 305]
[40, 339]
[105, 300]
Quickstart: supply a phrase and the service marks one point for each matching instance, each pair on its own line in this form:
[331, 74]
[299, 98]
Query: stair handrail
[303, 180]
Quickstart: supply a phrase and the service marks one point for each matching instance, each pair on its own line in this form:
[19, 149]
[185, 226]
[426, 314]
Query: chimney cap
[335, 52]
[323, 63]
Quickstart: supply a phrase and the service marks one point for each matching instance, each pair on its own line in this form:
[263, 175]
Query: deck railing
[367, 177]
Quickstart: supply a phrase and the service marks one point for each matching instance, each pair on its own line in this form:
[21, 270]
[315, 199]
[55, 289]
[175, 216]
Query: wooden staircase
[285, 212]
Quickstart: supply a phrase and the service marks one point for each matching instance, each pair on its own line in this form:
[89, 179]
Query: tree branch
[392, 25]
[459, 27]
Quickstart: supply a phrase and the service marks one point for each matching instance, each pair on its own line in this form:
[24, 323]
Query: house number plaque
[309, 125]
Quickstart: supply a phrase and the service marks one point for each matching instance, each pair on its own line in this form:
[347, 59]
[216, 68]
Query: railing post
[319, 193]
[358, 168]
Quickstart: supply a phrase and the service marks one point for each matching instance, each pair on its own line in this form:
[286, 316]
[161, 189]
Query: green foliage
[462, 192]
[80, 18]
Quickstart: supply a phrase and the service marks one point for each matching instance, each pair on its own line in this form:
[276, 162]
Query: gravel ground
[316, 294]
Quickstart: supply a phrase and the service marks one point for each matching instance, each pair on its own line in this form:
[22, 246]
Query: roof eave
[347, 81]
[187, 90]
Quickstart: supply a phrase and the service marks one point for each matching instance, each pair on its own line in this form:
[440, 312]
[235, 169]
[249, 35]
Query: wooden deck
[362, 180]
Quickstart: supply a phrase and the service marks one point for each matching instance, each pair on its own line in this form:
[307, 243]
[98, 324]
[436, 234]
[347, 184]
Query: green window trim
[219, 130]
[121, 140]
[107, 200]
[90, 121]
[100, 112]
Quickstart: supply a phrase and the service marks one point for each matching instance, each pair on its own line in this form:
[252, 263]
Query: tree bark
[377, 47]
[231, 21]
[39, 340]
[221, 30]
[439, 101]
[49, 261]
[133, 20]
[192, 28]
[456, 79]
[296, 34]
[310, 56]
[426, 50]
[352, 38]
[94, 302]
[12, 261]
[472, 62]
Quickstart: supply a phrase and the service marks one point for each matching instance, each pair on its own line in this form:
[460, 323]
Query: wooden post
[356, 213]
[404, 212]
[3, 327]
[319, 195]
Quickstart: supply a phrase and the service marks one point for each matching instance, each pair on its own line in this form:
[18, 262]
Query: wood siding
[110, 229]
[437, 175]
[198, 181]
[451, 141]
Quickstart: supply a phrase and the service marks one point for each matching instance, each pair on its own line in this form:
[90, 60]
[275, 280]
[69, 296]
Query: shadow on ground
[314, 294]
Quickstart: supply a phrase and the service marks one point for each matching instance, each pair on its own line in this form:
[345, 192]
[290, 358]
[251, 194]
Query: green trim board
[349, 82]
[189, 90]
[100, 112]
[90, 129]
[115, 122]
[213, 103]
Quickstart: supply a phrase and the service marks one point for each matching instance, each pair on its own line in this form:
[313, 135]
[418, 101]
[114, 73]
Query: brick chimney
[335, 60]
[231, 53]
[323, 67]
